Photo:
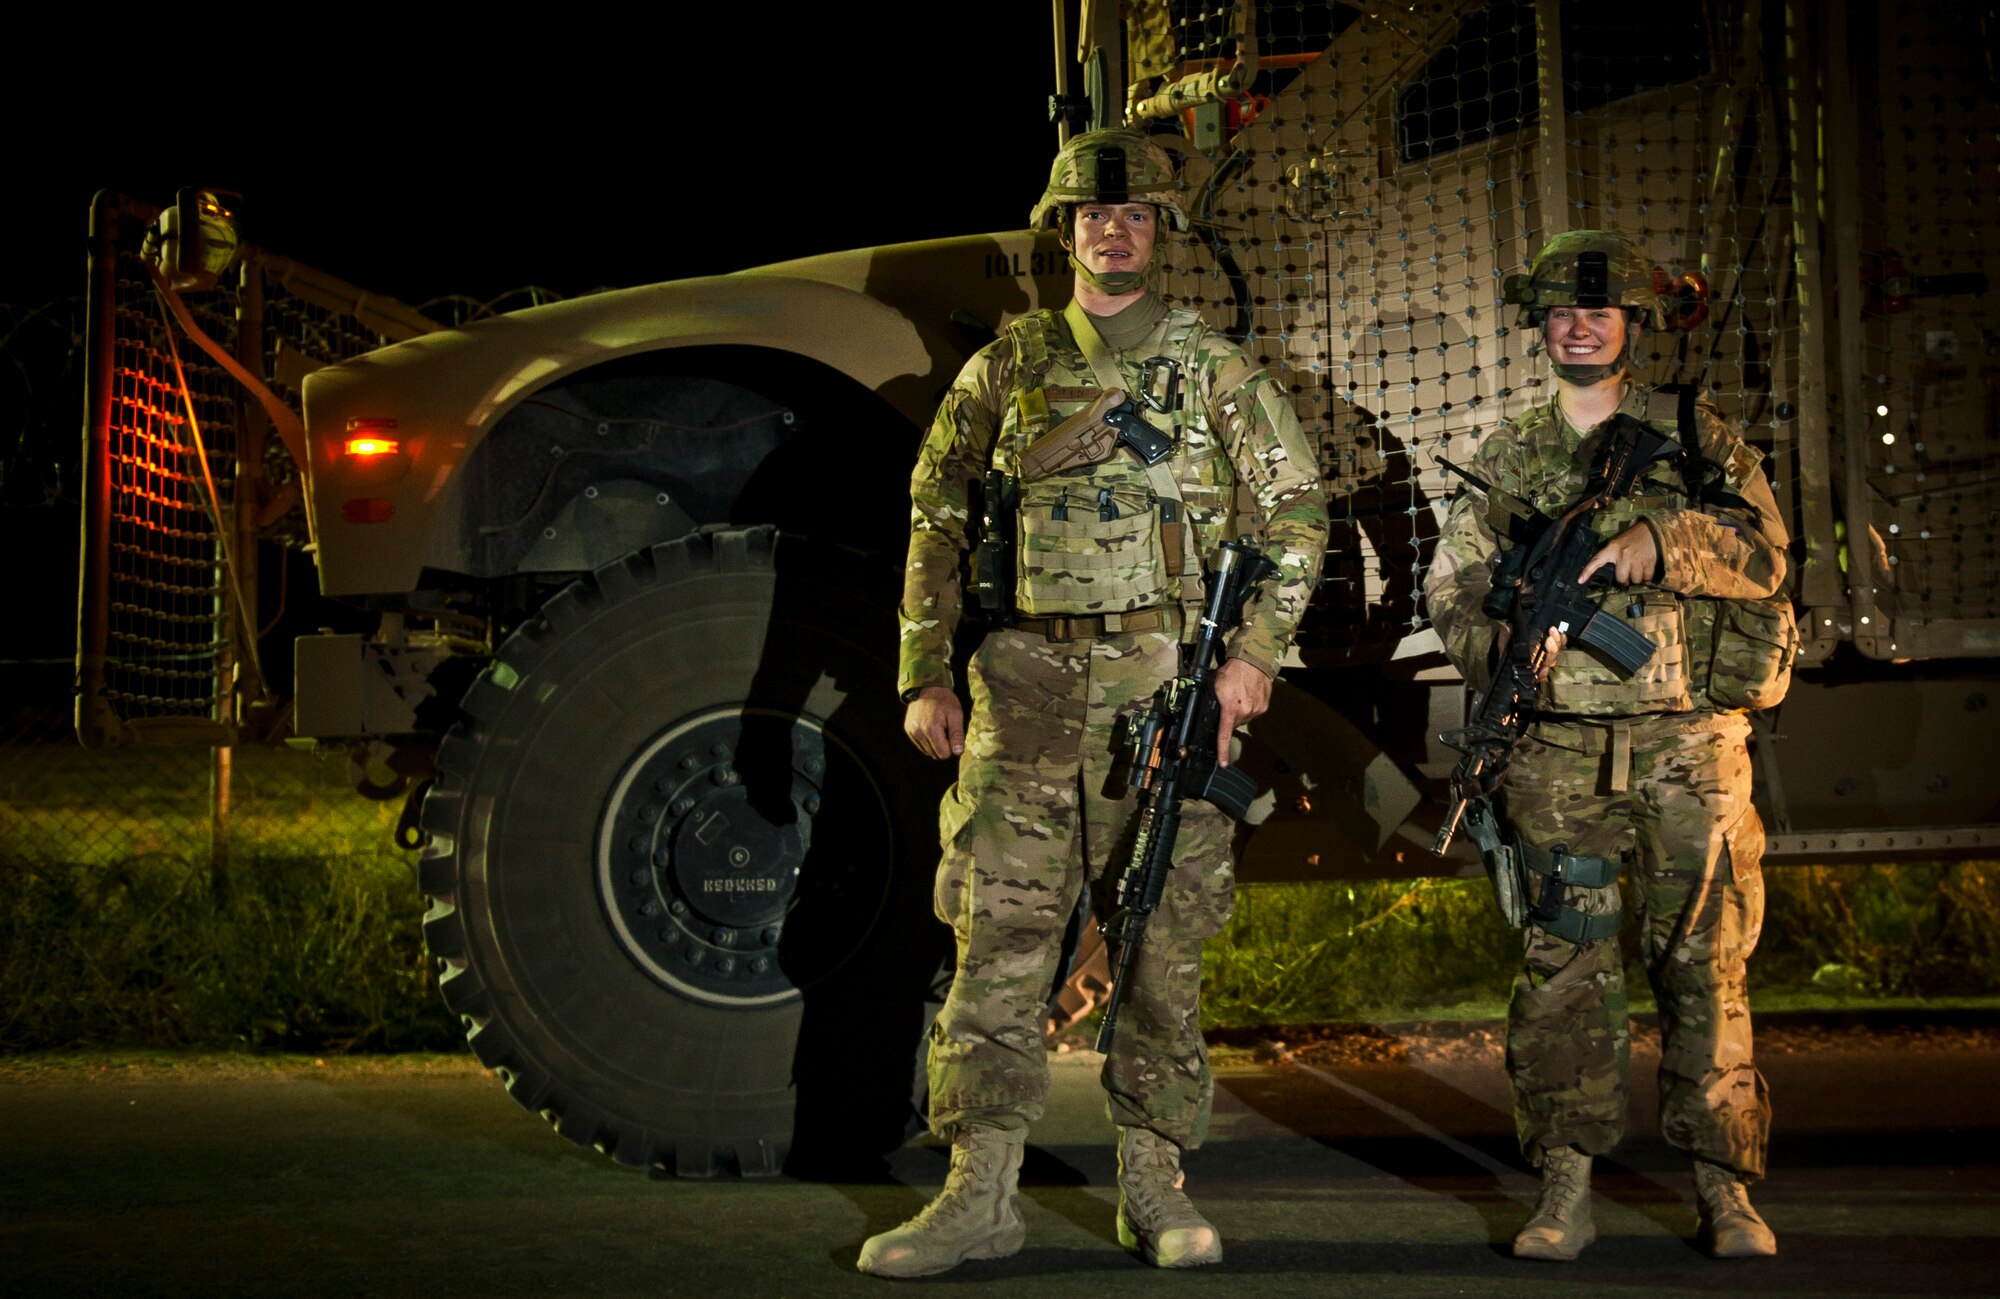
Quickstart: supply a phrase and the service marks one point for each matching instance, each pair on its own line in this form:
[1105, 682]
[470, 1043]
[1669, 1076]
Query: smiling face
[1110, 238]
[1586, 335]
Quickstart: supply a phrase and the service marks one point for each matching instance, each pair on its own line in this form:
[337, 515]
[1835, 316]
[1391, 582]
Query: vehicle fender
[438, 395]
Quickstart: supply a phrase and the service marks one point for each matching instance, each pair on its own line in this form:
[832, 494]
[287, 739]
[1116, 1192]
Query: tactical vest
[1712, 653]
[1115, 536]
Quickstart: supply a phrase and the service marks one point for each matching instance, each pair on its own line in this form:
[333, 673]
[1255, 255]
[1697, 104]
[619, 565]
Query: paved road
[1386, 1170]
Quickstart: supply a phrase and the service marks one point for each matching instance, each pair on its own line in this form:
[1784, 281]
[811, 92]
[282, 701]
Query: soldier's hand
[1244, 694]
[1553, 644]
[1633, 556]
[935, 723]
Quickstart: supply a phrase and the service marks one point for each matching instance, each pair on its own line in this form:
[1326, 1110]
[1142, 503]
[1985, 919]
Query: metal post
[1552, 142]
[97, 722]
[221, 789]
[1843, 199]
[247, 496]
[1061, 100]
[1102, 44]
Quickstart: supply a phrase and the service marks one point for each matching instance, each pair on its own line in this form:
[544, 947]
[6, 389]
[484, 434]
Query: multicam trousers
[1673, 793]
[1029, 824]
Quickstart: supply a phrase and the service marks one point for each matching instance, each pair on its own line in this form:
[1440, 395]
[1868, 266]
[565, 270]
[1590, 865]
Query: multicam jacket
[1239, 464]
[1718, 611]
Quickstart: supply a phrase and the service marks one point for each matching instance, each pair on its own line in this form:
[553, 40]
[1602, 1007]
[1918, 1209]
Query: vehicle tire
[678, 858]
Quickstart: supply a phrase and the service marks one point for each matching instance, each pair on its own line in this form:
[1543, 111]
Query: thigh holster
[1550, 874]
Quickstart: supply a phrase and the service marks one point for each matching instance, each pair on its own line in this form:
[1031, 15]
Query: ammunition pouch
[1083, 552]
[1751, 647]
[1551, 874]
[991, 558]
[1583, 684]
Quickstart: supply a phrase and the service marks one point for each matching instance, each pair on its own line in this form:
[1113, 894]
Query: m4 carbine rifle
[1535, 590]
[1173, 758]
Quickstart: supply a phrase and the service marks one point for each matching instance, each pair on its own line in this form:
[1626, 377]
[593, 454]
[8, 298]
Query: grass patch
[296, 953]
[1848, 937]
[1365, 950]
[117, 931]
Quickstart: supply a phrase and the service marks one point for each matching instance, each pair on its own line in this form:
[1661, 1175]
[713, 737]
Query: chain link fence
[60, 802]
[182, 895]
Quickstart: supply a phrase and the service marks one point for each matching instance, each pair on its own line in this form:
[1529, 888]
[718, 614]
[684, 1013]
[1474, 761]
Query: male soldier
[1107, 559]
[1649, 770]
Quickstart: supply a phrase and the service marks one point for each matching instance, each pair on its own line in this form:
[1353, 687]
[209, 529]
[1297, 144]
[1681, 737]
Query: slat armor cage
[183, 477]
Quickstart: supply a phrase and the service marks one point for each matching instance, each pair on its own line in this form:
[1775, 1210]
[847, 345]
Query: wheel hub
[701, 847]
[732, 865]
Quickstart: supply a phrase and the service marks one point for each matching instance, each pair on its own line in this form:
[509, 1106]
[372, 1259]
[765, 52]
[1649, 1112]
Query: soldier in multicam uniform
[1109, 562]
[1651, 771]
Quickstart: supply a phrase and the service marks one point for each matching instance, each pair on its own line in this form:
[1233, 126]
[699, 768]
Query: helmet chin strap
[1113, 283]
[1588, 375]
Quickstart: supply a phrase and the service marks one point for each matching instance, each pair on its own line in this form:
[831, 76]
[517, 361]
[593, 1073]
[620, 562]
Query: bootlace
[1723, 1192]
[972, 1164]
[1152, 1182]
[1565, 1181]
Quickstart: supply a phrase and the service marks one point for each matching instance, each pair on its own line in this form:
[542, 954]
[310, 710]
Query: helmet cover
[1111, 166]
[1589, 268]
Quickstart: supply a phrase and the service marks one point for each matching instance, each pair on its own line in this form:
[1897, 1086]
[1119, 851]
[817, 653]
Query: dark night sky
[571, 159]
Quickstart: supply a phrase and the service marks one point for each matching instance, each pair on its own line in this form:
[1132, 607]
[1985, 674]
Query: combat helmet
[1589, 268]
[1110, 166]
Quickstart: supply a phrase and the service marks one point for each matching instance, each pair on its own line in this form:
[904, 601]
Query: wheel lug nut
[720, 750]
[678, 907]
[770, 936]
[722, 937]
[814, 766]
[723, 776]
[726, 964]
[690, 762]
[812, 805]
[759, 965]
[682, 806]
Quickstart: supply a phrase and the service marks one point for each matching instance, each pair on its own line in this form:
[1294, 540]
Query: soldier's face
[1585, 335]
[1115, 236]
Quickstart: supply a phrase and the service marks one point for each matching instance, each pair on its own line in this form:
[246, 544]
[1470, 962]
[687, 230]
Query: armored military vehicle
[633, 558]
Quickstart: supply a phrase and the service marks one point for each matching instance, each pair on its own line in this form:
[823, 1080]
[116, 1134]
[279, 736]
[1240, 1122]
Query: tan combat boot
[1730, 1228]
[1562, 1225]
[976, 1215]
[1155, 1218]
